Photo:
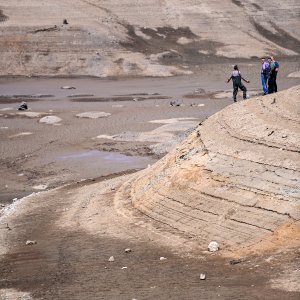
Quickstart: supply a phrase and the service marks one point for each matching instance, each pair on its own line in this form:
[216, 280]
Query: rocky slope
[234, 180]
[140, 38]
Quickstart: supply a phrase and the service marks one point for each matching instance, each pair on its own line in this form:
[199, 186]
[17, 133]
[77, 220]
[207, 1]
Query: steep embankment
[234, 180]
[141, 38]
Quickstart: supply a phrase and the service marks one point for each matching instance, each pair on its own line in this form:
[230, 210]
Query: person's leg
[275, 83]
[270, 85]
[235, 90]
[264, 79]
[244, 89]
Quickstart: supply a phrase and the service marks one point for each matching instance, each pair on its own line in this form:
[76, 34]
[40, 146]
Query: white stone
[162, 258]
[66, 87]
[30, 242]
[213, 246]
[40, 187]
[93, 115]
[50, 120]
[202, 276]
[111, 259]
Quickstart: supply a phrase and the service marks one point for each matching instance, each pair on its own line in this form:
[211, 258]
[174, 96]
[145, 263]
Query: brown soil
[75, 241]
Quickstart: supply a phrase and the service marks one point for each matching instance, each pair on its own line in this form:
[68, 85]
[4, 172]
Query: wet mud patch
[258, 7]
[281, 37]
[162, 39]
[132, 149]
[19, 98]
[238, 3]
[3, 17]
[48, 29]
[116, 99]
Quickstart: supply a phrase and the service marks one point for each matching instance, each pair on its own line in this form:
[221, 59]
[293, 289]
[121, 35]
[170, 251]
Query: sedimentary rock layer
[236, 179]
[141, 38]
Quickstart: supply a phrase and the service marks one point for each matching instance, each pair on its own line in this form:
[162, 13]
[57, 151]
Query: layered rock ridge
[235, 179]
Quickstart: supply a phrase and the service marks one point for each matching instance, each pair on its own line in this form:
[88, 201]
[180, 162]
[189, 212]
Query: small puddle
[104, 159]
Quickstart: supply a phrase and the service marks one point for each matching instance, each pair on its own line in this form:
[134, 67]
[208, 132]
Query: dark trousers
[272, 85]
[235, 91]
[275, 83]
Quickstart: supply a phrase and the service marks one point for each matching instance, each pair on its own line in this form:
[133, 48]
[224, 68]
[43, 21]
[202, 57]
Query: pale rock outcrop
[235, 179]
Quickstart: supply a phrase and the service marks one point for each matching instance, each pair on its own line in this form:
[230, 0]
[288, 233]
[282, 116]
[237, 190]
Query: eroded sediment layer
[235, 179]
[140, 38]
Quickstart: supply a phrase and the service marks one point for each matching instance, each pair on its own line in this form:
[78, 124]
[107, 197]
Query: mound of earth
[235, 179]
[140, 38]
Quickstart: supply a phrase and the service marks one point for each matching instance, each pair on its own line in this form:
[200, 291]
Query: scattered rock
[123, 268]
[162, 258]
[30, 242]
[284, 136]
[66, 87]
[2, 205]
[271, 132]
[65, 22]
[40, 187]
[213, 246]
[127, 250]
[274, 100]
[199, 91]
[23, 106]
[236, 261]
[202, 276]
[174, 103]
[93, 115]
[50, 120]
[111, 259]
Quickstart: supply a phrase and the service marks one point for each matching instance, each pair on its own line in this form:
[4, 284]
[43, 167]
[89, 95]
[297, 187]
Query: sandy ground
[77, 227]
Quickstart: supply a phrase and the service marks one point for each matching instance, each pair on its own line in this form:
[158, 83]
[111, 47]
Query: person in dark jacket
[237, 78]
[273, 72]
[272, 77]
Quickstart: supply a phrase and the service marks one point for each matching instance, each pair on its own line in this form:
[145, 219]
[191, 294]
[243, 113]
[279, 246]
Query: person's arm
[229, 78]
[248, 81]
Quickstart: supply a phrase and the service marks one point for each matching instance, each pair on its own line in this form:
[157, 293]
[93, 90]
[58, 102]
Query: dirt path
[77, 229]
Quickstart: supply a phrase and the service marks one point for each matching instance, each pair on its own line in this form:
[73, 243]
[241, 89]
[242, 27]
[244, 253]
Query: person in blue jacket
[237, 78]
[265, 71]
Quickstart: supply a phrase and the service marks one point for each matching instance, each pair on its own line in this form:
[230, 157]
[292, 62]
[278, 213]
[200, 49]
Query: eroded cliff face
[234, 180]
[140, 38]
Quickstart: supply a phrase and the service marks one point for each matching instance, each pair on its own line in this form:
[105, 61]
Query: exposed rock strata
[236, 179]
[140, 38]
